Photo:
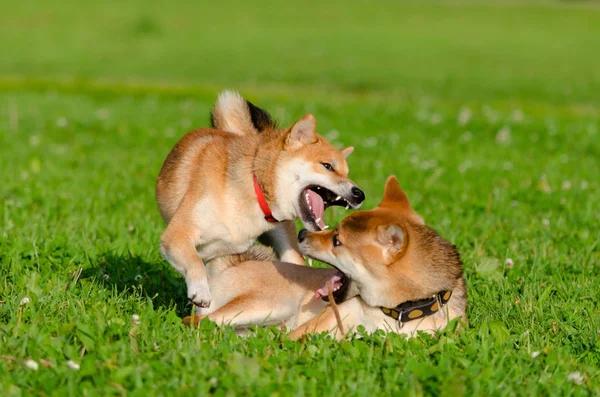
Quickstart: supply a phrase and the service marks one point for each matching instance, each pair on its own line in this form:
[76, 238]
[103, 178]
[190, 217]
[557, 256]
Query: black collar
[413, 310]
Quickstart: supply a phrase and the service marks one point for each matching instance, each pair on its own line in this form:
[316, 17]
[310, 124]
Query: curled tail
[233, 113]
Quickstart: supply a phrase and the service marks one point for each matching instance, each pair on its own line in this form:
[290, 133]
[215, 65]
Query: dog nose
[358, 194]
[302, 235]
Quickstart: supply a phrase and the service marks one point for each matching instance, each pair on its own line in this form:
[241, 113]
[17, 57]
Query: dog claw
[199, 293]
[200, 303]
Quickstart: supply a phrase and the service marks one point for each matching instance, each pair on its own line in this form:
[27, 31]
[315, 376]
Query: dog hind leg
[249, 309]
[179, 248]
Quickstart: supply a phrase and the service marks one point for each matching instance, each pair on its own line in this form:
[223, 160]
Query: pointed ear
[395, 198]
[393, 195]
[347, 151]
[391, 238]
[303, 132]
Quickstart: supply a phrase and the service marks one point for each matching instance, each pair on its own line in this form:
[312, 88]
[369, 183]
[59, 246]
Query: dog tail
[235, 114]
[257, 252]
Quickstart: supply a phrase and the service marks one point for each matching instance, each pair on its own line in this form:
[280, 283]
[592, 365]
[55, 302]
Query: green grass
[488, 115]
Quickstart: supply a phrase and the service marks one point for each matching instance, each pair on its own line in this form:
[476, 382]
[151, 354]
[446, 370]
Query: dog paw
[199, 293]
[291, 256]
[188, 320]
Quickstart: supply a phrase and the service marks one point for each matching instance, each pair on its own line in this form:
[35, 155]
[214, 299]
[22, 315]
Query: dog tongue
[318, 207]
[335, 282]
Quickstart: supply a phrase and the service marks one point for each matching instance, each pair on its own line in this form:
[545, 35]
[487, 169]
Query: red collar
[262, 202]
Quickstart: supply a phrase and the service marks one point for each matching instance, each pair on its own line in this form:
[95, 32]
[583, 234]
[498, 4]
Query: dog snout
[358, 195]
[302, 235]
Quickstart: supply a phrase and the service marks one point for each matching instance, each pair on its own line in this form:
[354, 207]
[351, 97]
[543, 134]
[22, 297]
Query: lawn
[488, 114]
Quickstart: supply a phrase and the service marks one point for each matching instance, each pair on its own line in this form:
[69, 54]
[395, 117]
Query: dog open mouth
[339, 286]
[314, 200]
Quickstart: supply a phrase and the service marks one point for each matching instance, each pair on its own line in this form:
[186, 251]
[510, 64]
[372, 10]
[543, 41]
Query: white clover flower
[73, 365]
[31, 364]
[464, 116]
[106, 276]
[24, 301]
[504, 136]
[436, 118]
[186, 123]
[370, 142]
[509, 263]
[135, 319]
[62, 122]
[535, 354]
[332, 135]
[546, 222]
[464, 166]
[138, 277]
[467, 136]
[575, 377]
[34, 140]
[517, 115]
[102, 114]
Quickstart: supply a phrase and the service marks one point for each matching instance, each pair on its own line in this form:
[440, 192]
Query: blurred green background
[461, 49]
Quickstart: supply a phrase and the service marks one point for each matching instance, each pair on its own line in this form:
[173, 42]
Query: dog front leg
[178, 247]
[285, 243]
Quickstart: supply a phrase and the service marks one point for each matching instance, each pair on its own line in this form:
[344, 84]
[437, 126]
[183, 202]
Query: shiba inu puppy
[221, 188]
[391, 272]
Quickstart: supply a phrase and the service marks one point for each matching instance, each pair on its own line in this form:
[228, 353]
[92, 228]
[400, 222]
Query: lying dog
[391, 273]
[220, 189]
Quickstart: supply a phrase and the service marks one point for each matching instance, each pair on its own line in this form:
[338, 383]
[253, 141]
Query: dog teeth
[325, 227]
[347, 206]
[310, 261]
[318, 220]
[338, 198]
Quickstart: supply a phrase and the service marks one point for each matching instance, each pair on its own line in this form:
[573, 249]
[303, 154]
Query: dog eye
[328, 166]
[336, 241]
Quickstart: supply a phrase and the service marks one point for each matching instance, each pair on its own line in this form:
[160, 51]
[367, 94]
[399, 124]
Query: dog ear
[395, 198]
[303, 132]
[347, 151]
[393, 195]
[391, 238]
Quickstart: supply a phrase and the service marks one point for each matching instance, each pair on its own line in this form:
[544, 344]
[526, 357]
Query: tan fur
[206, 195]
[387, 252]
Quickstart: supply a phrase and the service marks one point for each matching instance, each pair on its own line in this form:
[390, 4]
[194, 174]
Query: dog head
[308, 175]
[313, 175]
[386, 255]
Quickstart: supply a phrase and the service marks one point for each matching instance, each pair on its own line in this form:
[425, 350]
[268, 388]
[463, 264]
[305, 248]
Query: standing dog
[391, 272]
[220, 189]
